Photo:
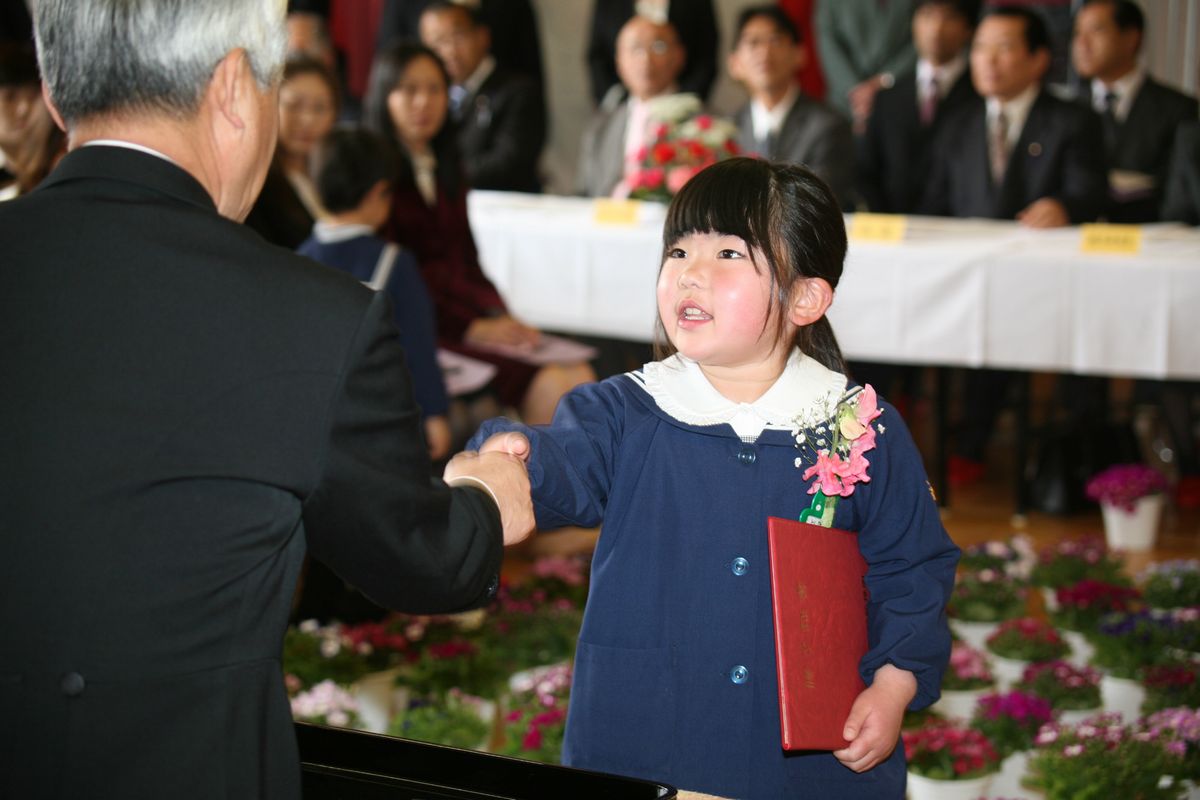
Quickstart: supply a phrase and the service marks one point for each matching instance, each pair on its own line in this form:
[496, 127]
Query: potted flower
[531, 630]
[455, 664]
[966, 679]
[313, 653]
[1018, 642]
[1179, 731]
[1171, 685]
[326, 703]
[1072, 691]
[1010, 721]
[1171, 584]
[1126, 643]
[1131, 498]
[1014, 557]
[1080, 608]
[1101, 758]
[455, 719]
[980, 600]
[949, 761]
[1070, 561]
[533, 727]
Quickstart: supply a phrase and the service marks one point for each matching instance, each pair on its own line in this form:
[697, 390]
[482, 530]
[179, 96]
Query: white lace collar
[804, 389]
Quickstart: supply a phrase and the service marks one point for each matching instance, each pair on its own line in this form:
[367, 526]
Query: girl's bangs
[720, 199]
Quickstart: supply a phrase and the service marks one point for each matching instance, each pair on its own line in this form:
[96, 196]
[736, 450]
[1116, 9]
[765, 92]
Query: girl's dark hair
[387, 71]
[348, 164]
[783, 211]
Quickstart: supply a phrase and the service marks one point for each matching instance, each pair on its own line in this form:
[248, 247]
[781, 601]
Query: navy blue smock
[675, 671]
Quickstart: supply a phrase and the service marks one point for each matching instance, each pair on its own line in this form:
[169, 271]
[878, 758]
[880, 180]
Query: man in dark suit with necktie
[893, 153]
[779, 122]
[498, 113]
[186, 411]
[1019, 153]
[1140, 116]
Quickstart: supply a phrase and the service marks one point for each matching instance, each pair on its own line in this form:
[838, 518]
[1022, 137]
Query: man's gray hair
[103, 57]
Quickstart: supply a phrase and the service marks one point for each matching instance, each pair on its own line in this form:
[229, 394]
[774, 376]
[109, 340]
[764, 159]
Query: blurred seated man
[1019, 153]
[1140, 115]
[649, 59]
[779, 122]
[893, 154]
[695, 23]
[499, 116]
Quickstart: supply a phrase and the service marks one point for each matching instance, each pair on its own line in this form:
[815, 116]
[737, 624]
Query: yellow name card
[878, 227]
[1123, 240]
[615, 212]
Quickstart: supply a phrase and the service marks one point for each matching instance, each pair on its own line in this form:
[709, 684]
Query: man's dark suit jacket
[501, 131]
[812, 134]
[186, 410]
[893, 153]
[693, 20]
[1143, 144]
[1058, 155]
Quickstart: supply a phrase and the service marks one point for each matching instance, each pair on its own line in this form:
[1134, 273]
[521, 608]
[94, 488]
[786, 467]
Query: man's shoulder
[1177, 104]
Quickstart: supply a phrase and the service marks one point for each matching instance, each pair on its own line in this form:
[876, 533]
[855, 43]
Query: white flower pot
[1076, 716]
[1007, 670]
[960, 703]
[922, 788]
[1081, 648]
[1050, 599]
[1007, 783]
[1123, 695]
[973, 633]
[1132, 531]
[377, 702]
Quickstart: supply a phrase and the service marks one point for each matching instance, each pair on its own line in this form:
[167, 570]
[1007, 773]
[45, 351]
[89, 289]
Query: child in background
[353, 171]
[684, 460]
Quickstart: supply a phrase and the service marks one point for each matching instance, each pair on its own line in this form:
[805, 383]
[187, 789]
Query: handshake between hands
[499, 468]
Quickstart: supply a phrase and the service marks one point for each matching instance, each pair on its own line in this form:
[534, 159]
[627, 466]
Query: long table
[969, 293]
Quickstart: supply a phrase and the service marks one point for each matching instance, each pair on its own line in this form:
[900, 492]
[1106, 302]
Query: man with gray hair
[185, 411]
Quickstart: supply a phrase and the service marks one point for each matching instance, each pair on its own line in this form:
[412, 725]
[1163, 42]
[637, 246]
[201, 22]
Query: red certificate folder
[820, 606]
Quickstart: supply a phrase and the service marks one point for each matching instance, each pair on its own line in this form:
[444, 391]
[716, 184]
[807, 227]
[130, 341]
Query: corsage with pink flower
[833, 451]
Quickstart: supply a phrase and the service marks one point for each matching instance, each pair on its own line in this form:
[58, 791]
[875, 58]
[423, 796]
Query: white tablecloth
[954, 293]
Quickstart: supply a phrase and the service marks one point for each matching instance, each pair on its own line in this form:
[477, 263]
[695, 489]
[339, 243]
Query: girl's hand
[501, 330]
[873, 727]
[512, 443]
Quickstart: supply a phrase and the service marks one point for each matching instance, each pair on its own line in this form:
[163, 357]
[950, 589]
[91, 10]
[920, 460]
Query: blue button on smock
[746, 456]
[739, 566]
[739, 674]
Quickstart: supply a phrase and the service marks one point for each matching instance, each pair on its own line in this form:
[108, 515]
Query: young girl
[684, 461]
[407, 102]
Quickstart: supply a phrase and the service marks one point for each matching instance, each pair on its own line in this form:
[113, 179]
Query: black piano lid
[340, 764]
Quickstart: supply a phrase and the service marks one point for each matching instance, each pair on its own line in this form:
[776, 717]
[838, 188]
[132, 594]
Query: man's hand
[873, 727]
[1044, 213]
[502, 474]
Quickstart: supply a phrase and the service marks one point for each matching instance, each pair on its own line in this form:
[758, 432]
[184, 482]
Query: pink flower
[678, 176]
[830, 471]
[704, 122]
[532, 740]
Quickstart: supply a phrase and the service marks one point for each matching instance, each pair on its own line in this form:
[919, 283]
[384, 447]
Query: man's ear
[801, 60]
[227, 90]
[809, 301]
[54, 115]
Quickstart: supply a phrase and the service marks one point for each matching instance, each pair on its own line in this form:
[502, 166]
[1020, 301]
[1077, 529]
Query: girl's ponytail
[817, 341]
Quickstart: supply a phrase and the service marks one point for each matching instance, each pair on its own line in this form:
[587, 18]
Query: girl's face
[307, 112]
[417, 103]
[716, 305]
